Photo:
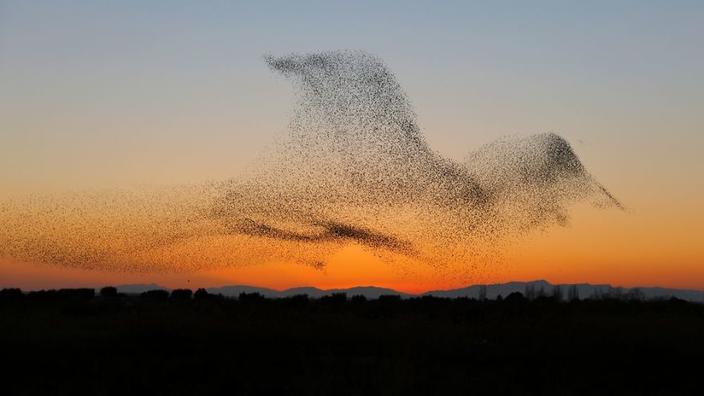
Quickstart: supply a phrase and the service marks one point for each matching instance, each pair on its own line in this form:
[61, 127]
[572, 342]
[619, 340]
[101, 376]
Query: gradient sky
[111, 94]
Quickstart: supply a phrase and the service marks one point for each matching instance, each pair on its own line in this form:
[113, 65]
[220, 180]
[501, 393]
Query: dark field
[71, 342]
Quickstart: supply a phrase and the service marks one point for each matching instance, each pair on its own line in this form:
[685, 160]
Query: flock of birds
[355, 168]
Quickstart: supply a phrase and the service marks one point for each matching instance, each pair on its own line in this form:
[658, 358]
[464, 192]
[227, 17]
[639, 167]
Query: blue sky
[107, 93]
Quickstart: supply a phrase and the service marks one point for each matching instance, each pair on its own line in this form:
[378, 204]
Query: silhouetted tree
[155, 295]
[358, 299]
[389, 298]
[181, 294]
[515, 297]
[108, 292]
[250, 297]
[11, 294]
[334, 298]
[201, 294]
[299, 300]
[77, 294]
[397, 346]
[43, 294]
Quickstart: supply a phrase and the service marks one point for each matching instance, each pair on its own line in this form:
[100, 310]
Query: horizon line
[280, 290]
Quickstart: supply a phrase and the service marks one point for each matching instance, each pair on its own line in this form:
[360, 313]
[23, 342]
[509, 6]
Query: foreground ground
[74, 343]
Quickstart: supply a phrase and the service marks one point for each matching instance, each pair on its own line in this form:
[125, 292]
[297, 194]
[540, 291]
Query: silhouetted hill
[584, 290]
[493, 291]
[139, 288]
[538, 287]
[236, 290]
[684, 294]
[312, 292]
[369, 292]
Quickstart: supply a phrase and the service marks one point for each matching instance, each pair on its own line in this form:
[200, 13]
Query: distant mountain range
[139, 288]
[538, 287]
[370, 292]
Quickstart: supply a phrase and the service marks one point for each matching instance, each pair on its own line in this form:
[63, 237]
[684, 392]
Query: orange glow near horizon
[597, 247]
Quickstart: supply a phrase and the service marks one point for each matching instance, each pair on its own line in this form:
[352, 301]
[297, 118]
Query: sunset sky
[104, 95]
